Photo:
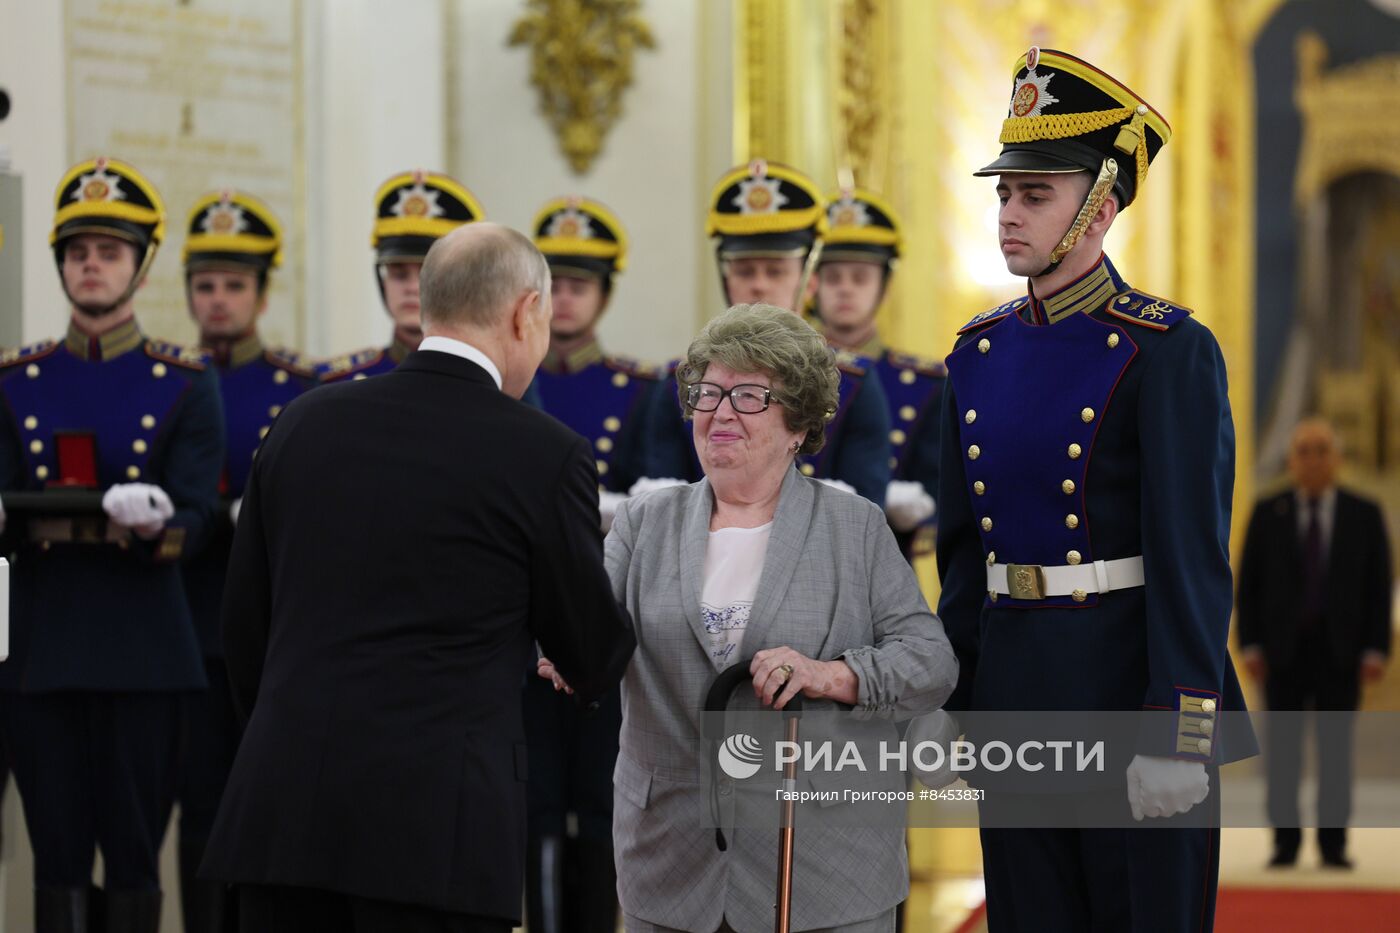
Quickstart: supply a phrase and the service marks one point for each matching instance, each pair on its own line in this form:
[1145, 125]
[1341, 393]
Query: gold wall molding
[1348, 117]
[581, 57]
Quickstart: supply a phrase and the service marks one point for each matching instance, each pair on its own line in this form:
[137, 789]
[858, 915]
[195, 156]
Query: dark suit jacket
[1357, 583]
[403, 541]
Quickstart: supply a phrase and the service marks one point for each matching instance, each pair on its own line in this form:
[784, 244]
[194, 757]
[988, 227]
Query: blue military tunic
[857, 436]
[601, 397]
[1093, 425]
[104, 610]
[255, 383]
[363, 363]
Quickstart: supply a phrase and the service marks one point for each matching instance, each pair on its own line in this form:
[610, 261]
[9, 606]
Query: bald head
[1314, 456]
[474, 275]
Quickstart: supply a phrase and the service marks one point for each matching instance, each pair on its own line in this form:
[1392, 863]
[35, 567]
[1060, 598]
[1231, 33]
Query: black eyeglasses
[746, 399]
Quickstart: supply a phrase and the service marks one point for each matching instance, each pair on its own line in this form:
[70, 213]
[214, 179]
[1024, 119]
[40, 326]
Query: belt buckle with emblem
[1025, 581]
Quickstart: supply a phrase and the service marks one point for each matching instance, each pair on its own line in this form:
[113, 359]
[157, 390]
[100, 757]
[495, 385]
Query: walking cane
[717, 701]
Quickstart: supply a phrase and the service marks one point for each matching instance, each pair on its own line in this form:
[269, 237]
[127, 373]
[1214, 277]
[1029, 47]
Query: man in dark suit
[1314, 616]
[402, 543]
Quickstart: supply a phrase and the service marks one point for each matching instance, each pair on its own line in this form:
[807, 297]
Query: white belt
[1034, 581]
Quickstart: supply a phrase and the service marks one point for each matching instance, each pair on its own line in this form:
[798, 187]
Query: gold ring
[787, 672]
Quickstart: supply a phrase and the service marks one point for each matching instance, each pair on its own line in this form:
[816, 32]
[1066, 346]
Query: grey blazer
[834, 585]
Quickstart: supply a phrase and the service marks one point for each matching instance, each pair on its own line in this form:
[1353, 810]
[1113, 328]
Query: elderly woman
[756, 560]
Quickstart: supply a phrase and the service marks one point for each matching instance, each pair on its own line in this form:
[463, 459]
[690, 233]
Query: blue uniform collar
[1087, 293]
[236, 353]
[121, 339]
[582, 358]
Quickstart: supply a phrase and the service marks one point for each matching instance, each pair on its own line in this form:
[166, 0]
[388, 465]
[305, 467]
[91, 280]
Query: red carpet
[1281, 910]
[1254, 910]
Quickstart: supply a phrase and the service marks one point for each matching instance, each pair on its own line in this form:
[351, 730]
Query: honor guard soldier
[232, 244]
[570, 882]
[1084, 517]
[411, 210]
[768, 221]
[104, 650]
[859, 253]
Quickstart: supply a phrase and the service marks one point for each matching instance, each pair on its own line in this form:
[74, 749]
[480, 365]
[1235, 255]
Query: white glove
[907, 504]
[838, 484]
[647, 484]
[607, 506]
[1165, 786]
[140, 506]
[234, 508]
[941, 729]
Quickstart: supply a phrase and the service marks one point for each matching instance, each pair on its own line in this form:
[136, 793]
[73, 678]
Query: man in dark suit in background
[1314, 617]
[403, 541]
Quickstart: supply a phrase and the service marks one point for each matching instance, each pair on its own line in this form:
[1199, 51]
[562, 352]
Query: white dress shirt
[465, 350]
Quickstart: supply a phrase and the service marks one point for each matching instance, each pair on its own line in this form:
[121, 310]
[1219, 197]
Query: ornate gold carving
[1348, 117]
[581, 55]
[862, 62]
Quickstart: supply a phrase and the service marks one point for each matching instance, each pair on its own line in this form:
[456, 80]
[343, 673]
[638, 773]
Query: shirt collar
[1090, 292]
[582, 358]
[120, 339]
[466, 351]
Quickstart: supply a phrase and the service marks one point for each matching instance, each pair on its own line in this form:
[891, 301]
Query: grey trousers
[884, 923]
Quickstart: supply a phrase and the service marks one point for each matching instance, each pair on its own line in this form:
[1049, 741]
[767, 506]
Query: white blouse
[733, 564]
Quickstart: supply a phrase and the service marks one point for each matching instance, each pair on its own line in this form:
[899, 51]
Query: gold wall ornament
[1348, 123]
[862, 48]
[581, 54]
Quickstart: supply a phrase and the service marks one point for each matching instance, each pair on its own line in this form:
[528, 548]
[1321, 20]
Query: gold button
[984, 345]
[1142, 109]
[275, 410]
[907, 376]
[30, 423]
[894, 463]
[1204, 746]
[898, 437]
[262, 431]
[45, 545]
[807, 469]
[980, 488]
[1079, 596]
[1086, 415]
[604, 444]
[1071, 521]
[133, 472]
[619, 379]
[357, 377]
[992, 595]
[148, 421]
[280, 376]
[991, 558]
[32, 370]
[1208, 726]
[986, 524]
[974, 452]
[36, 446]
[908, 413]
[139, 446]
[602, 466]
[1207, 706]
[41, 471]
[158, 370]
[1068, 487]
[1125, 299]
[1112, 341]
[611, 424]
[1074, 451]
[1073, 558]
[971, 415]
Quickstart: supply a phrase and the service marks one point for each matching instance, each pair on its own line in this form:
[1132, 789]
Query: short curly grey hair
[760, 338]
